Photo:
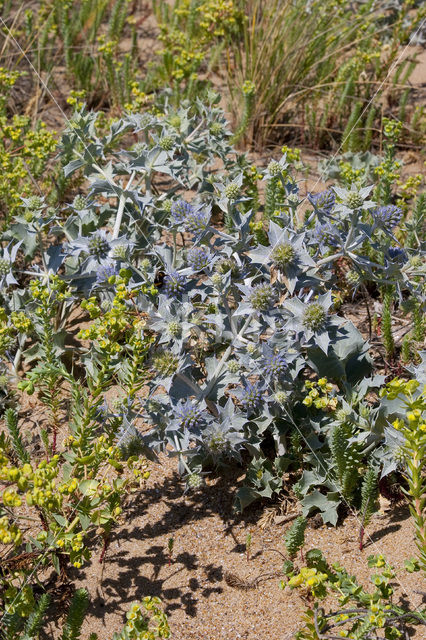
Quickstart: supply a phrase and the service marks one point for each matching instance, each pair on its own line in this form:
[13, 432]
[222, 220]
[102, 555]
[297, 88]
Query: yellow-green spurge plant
[59, 505]
[412, 452]
[362, 614]
[145, 620]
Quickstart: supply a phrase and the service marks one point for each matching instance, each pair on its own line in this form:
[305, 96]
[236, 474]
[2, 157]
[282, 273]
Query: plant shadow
[144, 574]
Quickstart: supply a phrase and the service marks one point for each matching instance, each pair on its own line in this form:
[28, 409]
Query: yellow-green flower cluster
[76, 99]
[10, 327]
[41, 487]
[319, 395]
[185, 61]
[48, 292]
[20, 321]
[377, 615]
[145, 621]
[292, 154]
[107, 47]
[398, 386]
[377, 561]
[215, 17]
[212, 19]
[7, 81]
[9, 533]
[18, 600]
[38, 484]
[413, 429]
[415, 419]
[139, 98]
[7, 338]
[349, 175]
[389, 169]
[108, 329]
[392, 129]
[309, 579]
[120, 323]
[8, 78]
[408, 189]
[24, 152]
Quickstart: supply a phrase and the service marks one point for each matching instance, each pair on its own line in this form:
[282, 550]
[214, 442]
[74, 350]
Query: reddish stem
[104, 550]
[54, 440]
[361, 538]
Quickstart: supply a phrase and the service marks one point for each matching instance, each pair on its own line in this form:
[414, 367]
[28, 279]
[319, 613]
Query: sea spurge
[309, 579]
[145, 621]
[320, 395]
[413, 429]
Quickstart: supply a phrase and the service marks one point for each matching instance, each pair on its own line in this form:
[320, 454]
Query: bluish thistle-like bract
[197, 221]
[395, 256]
[323, 201]
[283, 254]
[325, 234]
[181, 210]
[388, 216]
[242, 342]
[98, 246]
[6, 264]
[314, 316]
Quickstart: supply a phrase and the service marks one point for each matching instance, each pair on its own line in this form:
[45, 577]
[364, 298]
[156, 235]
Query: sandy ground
[209, 541]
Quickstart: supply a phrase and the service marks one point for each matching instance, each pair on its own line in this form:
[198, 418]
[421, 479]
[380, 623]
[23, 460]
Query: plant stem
[120, 210]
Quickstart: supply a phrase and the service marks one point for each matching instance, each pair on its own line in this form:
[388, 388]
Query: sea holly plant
[229, 320]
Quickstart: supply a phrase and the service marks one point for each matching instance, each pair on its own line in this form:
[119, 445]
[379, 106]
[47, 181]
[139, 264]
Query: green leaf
[84, 520]
[63, 522]
[326, 504]
[88, 487]
[55, 562]
[72, 166]
[245, 496]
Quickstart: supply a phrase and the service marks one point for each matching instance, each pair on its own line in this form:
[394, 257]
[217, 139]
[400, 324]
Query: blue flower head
[98, 246]
[197, 222]
[181, 210]
[199, 258]
[251, 396]
[388, 216]
[274, 364]
[194, 219]
[174, 284]
[395, 256]
[189, 415]
[325, 234]
[323, 201]
[105, 272]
